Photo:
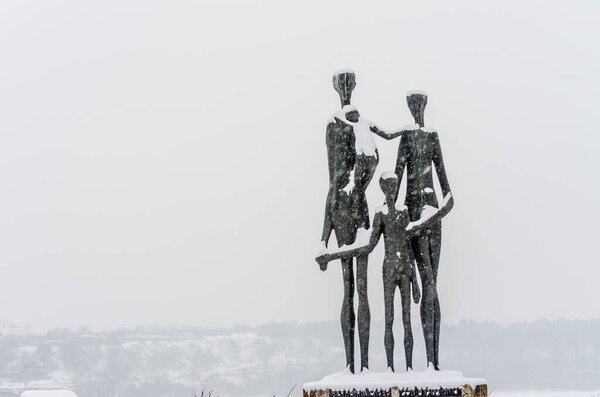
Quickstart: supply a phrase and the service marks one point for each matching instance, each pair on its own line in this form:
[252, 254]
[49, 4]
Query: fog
[164, 162]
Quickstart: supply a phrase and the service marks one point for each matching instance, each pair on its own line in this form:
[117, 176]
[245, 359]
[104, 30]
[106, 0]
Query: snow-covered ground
[48, 393]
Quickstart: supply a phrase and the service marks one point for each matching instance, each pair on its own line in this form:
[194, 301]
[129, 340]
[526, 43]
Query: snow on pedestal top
[429, 378]
[48, 393]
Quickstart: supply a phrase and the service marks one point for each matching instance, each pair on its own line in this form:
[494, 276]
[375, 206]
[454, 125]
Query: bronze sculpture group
[412, 232]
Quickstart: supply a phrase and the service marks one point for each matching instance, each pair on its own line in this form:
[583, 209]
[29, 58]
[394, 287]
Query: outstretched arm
[430, 216]
[358, 248]
[438, 162]
[385, 135]
[391, 135]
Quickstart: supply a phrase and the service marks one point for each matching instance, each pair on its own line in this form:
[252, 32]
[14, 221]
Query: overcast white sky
[165, 163]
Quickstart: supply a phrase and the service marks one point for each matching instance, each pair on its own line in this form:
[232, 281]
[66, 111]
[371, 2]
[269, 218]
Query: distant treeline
[270, 359]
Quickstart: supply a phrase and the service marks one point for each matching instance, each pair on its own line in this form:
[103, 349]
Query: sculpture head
[388, 182]
[344, 83]
[417, 100]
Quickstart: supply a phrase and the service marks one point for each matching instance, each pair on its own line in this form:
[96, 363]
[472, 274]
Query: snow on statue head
[389, 186]
[344, 83]
[417, 100]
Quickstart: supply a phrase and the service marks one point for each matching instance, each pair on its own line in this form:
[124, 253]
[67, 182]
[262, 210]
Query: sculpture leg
[420, 246]
[364, 314]
[435, 244]
[389, 288]
[347, 317]
[408, 337]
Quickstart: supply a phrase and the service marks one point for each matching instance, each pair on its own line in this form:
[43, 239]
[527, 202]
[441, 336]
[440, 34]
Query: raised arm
[359, 247]
[430, 216]
[438, 162]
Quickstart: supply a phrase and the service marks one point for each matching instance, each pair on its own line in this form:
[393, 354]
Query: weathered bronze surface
[392, 221]
[418, 152]
[420, 149]
[346, 213]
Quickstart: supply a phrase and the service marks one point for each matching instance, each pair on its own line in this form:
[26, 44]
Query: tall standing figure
[420, 149]
[352, 157]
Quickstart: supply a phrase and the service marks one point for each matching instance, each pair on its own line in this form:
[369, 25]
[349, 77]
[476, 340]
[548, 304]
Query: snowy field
[49, 393]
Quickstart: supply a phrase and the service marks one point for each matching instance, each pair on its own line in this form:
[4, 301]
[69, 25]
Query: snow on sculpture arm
[430, 216]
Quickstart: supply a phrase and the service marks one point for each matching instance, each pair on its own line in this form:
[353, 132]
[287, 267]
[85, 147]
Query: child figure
[393, 222]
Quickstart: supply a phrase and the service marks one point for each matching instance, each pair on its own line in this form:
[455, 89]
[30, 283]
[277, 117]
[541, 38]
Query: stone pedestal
[465, 391]
[404, 384]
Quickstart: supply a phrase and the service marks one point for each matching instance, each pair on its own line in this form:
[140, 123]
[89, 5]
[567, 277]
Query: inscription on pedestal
[465, 391]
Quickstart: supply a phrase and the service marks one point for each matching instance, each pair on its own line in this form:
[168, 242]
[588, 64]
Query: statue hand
[416, 291]
[322, 260]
